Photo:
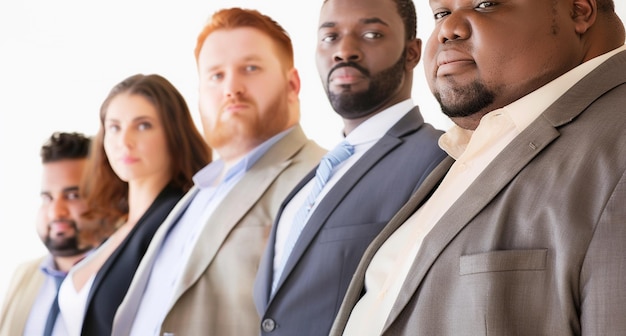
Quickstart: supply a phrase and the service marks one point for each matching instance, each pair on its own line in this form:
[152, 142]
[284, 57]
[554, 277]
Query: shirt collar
[49, 268]
[526, 109]
[206, 176]
[375, 127]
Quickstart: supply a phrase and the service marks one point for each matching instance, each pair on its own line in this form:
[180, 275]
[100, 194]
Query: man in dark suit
[366, 54]
[524, 228]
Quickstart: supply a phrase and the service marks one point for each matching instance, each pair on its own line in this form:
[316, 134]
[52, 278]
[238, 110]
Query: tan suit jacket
[215, 293]
[20, 297]
[537, 244]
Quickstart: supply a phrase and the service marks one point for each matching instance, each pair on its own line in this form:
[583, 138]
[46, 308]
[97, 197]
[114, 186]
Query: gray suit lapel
[266, 267]
[523, 149]
[332, 200]
[392, 139]
[355, 290]
[486, 186]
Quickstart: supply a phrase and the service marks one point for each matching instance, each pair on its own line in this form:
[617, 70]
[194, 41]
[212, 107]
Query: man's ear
[293, 82]
[413, 53]
[584, 13]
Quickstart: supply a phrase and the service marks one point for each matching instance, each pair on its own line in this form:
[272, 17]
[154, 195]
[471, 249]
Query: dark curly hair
[63, 146]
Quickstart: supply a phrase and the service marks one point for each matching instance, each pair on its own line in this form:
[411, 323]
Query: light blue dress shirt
[39, 313]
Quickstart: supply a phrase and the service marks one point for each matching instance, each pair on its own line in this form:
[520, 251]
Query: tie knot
[340, 153]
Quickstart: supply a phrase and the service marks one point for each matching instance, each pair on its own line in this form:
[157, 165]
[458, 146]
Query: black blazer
[319, 269]
[113, 279]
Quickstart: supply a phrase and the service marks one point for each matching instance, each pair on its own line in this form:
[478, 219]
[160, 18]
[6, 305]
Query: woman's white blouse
[72, 304]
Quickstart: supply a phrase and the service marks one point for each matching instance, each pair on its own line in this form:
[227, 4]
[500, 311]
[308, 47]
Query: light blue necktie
[324, 171]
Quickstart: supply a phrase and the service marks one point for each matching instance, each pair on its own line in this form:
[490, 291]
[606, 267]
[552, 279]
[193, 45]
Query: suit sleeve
[603, 274]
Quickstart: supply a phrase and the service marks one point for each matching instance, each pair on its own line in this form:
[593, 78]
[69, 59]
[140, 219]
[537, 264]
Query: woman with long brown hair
[142, 162]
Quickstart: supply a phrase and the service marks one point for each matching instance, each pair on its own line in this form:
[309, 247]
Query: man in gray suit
[525, 231]
[366, 54]
[197, 275]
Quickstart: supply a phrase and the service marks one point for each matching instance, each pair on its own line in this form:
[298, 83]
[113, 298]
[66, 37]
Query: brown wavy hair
[106, 194]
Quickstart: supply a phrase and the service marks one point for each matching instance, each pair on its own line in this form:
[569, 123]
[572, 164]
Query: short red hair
[235, 17]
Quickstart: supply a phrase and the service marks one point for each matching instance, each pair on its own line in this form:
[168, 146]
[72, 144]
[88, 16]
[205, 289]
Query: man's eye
[216, 77]
[440, 15]
[72, 195]
[329, 38]
[485, 4]
[372, 35]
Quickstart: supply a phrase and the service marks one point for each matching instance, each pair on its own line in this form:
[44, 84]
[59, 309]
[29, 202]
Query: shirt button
[268, 325]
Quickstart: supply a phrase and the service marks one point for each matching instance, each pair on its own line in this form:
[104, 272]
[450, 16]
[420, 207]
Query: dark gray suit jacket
[353, 212]
[537, 244]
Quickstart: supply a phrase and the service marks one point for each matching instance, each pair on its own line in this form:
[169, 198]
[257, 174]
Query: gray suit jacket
[215, 294]
[20, 297]
[319, 269]
[537, 244]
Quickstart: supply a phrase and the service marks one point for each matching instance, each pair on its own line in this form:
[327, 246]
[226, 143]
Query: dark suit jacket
[537, 244]
[114, 277]
[353, 212]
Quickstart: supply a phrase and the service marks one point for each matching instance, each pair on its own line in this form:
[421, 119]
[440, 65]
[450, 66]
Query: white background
[59, 59]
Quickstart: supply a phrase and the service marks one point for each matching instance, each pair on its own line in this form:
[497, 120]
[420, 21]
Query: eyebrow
[134, 120]
[374, 20]
[143, 118]
[70, 189]
[371, 20]
[64, 190]
[244, 59]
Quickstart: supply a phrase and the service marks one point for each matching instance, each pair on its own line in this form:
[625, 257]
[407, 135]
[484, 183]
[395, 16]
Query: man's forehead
[337, 12]
[240, 50]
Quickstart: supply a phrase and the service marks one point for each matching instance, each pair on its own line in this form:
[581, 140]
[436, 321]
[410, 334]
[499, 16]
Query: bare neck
[64, 264]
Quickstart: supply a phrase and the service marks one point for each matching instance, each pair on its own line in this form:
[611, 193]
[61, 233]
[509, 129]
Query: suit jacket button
[268, 325]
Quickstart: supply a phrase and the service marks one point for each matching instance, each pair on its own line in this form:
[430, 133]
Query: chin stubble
[465, 101]
[353, 105]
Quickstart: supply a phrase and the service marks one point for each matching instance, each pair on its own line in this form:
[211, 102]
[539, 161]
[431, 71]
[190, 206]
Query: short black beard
[354, 105]
[467, 100]
[67, 247]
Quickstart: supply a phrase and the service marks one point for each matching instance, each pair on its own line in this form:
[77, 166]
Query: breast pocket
[503, 261]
